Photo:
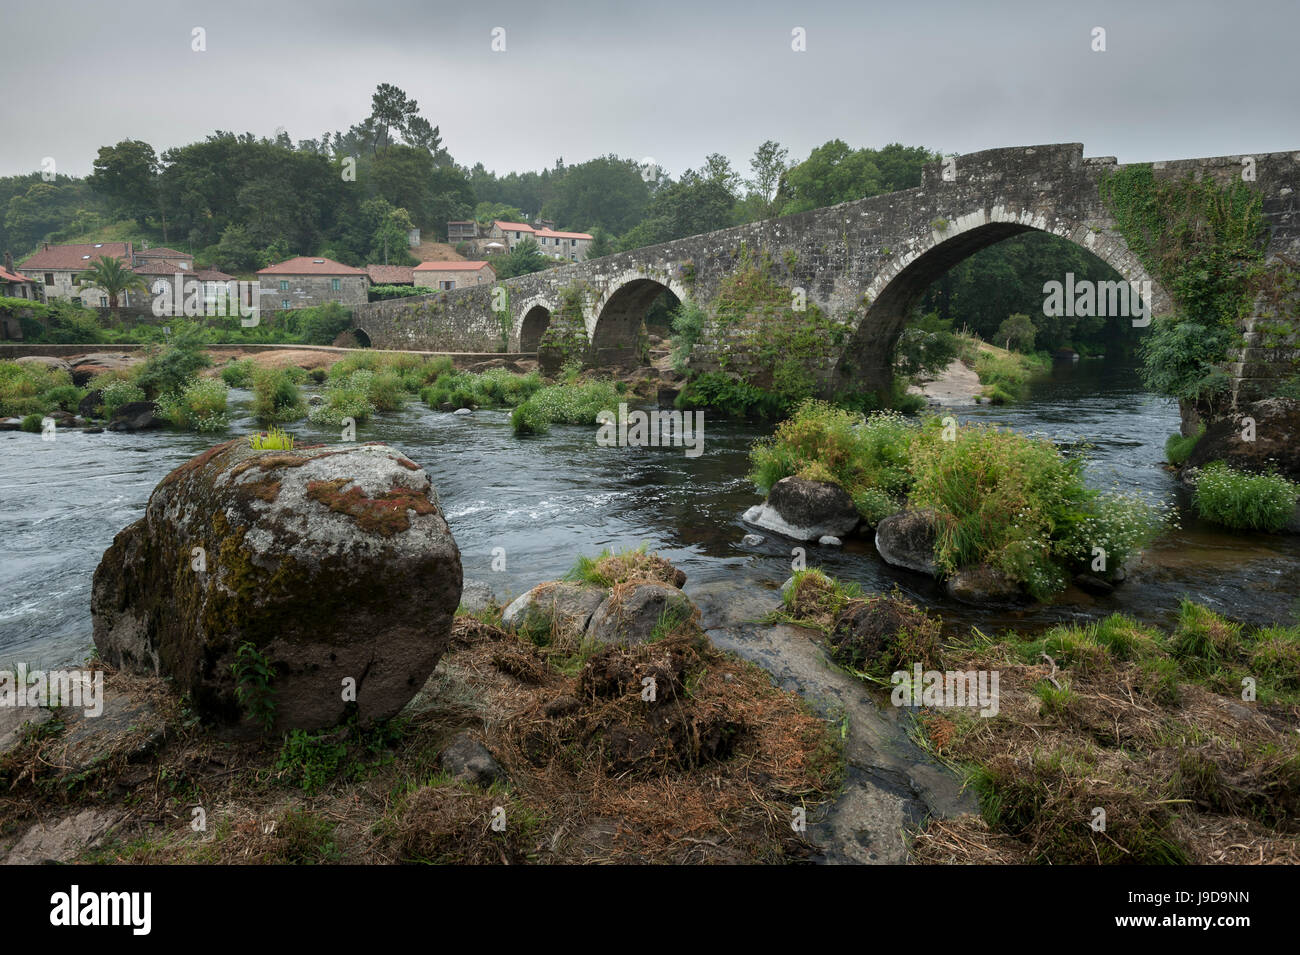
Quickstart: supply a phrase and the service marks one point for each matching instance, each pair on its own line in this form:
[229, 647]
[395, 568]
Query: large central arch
[897, 287]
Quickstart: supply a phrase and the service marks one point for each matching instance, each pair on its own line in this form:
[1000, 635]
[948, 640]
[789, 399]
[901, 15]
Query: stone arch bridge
[861, 266]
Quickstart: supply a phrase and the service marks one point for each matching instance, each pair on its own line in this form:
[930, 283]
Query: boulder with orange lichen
[335, 564]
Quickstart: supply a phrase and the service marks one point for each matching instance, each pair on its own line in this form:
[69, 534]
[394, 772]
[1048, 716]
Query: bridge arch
[362, 336]
[614, 322]
[534, 317]
[899, 284]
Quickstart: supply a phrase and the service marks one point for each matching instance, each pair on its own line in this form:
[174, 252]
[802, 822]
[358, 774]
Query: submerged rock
[337, 566]
[984, 585]
[805, 510]
[906, 539]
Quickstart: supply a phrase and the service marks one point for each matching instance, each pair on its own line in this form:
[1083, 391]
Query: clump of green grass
[30, 388]
[276, 396]
[32, 423]
[564, 404]
[870, 459]
[345, 398]
[494, 388]
[273, 440]
[310, 761]
[1179, 448]
[200, 405]
[1258, 502]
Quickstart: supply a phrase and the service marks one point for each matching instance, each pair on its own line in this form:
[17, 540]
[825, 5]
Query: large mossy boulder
[1276, 444]
[805, 510]
[333, 565]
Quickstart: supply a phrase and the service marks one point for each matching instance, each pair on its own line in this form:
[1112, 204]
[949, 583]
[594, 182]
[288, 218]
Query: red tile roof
[451, 266]
[64, 258]
[7, 276]
[513, 226]
[212, 275]
[552, 234]
[391, 274]
[160, 268]
[310, 265]
[161, 252]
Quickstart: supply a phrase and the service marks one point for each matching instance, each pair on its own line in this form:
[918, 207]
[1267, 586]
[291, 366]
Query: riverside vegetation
[1151, 725]
[997, 497]
[585, 768]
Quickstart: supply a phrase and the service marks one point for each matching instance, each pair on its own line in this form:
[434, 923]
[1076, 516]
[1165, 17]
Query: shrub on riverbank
[494, 388]
[199, 405]
[565, 404]
[239, 374]
[1259, 502]
[31, 388]
[276, 396]
[1170, 756]
[1006, 376]
[116, 393]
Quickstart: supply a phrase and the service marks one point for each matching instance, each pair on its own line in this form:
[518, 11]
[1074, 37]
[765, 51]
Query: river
[544, 500]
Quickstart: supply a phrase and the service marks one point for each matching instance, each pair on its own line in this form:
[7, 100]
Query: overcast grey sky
[672, 80]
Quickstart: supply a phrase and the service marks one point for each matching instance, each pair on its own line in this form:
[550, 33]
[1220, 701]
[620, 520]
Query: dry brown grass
[708, 772]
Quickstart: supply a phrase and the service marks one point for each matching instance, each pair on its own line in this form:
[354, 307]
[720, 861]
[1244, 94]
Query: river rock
[336, 565]
[829, 541]
[475, 596]
[1276, 446]
[567, 605]
[805, 510]
[88, 366]
[54, 364]
[752, 540]
[89, 406]
[11, 424]
[468, 760]
[630, 617]
[136, 416]
[982, 585]
[462, 411]
[906, 539]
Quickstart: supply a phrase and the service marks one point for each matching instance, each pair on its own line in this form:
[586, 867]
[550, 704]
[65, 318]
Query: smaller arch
[362, 337]
[521, 317]
[534, 324]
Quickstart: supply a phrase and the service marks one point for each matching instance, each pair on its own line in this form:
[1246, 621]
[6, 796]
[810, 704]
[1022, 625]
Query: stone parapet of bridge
[862, 264]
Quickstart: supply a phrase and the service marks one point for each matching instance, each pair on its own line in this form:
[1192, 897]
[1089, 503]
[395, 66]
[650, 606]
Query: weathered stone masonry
[864, 264]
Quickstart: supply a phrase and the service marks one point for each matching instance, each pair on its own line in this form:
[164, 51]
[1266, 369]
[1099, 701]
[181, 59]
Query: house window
[103, 301]
[49, 278]
[284, 285]
[573, 257]
[334, 285]
[516, 235]
[446, 285]
[284, 303]
[573, 242]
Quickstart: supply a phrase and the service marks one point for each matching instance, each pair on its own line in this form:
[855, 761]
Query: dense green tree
[691, 206]
[524, 258]
[112, 277]
[127, 174]
[607, 192]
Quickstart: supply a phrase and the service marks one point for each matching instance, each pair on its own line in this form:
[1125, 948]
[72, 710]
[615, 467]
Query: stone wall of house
[304, 291]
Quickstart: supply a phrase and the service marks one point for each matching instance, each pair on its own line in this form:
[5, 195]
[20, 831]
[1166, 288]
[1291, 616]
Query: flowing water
[545, 500]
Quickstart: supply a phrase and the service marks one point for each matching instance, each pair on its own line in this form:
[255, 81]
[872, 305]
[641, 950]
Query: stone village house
[306, 280]
[450, 275]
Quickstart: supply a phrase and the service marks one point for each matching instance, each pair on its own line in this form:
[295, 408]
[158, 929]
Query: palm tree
[112, 277]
